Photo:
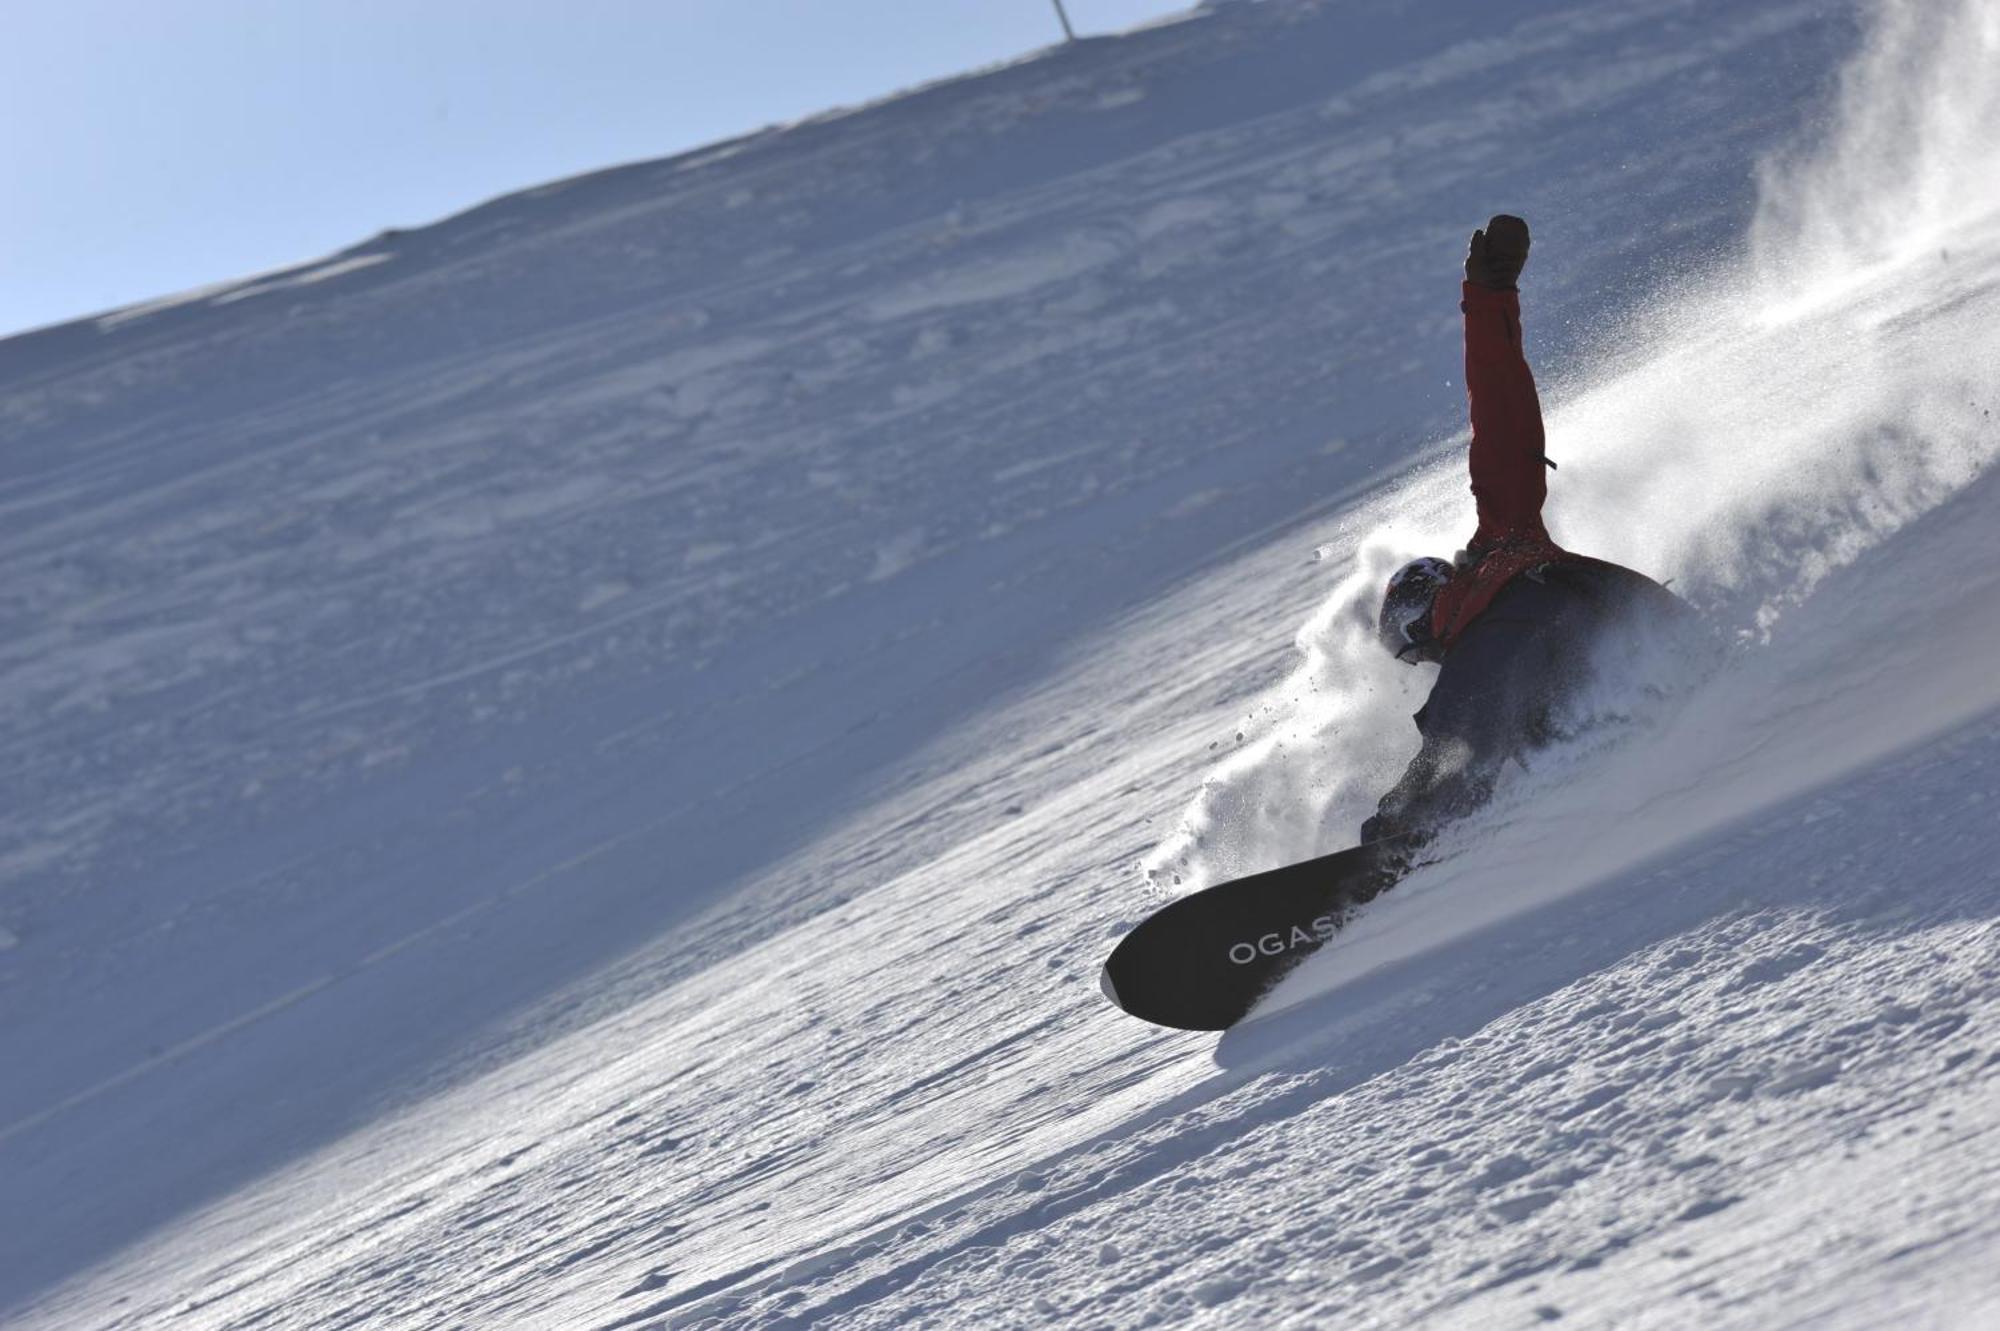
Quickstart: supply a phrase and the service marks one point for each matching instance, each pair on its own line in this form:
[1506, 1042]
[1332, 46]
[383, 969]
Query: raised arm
[1507, 459]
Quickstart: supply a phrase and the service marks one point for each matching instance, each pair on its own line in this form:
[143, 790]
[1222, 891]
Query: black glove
[1498, 253]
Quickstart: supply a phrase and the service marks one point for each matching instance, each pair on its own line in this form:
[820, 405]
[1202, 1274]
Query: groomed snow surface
[575, 767]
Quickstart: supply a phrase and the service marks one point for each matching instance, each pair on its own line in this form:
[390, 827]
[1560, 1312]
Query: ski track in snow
[576, 766]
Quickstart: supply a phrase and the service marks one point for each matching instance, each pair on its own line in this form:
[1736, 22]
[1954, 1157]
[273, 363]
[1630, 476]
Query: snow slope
[576, 767]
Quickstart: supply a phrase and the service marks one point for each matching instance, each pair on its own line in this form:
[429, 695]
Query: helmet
[1404, 624]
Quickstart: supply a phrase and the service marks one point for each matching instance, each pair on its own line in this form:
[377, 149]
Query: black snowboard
[1202, 962]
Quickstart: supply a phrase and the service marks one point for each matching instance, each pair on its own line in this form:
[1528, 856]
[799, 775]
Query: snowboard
[1202, 962]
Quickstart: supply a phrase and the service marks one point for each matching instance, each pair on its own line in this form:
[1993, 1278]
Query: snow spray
[1757, 427]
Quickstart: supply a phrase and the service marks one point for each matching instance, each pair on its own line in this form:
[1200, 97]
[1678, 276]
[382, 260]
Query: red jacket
[1509, 482]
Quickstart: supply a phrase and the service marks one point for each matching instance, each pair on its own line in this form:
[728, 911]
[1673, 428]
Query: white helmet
[1404, 624]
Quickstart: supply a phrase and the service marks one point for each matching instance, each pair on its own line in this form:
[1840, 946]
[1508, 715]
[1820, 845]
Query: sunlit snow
[576, 767]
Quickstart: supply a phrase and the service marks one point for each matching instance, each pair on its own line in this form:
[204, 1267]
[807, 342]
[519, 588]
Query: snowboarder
[1514, 620]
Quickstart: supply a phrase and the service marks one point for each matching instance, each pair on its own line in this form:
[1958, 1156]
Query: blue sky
[151, 147]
